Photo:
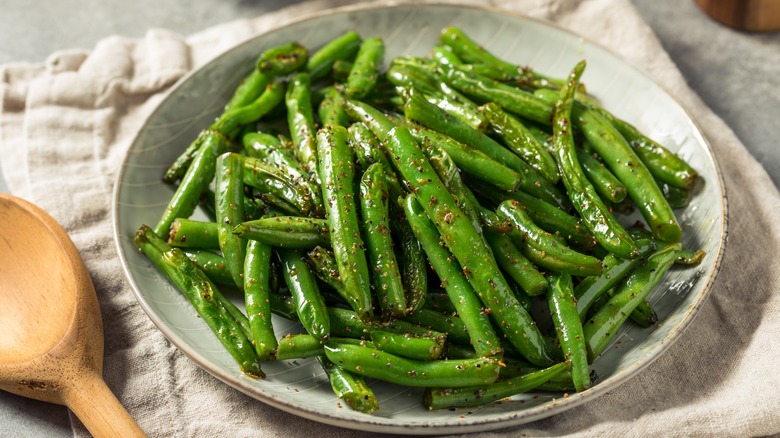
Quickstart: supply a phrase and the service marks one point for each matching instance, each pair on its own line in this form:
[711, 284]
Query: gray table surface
[735, 73]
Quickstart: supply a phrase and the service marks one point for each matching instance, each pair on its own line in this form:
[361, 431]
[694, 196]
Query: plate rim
[507, 419]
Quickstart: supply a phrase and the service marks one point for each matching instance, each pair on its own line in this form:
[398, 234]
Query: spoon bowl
[51, 334]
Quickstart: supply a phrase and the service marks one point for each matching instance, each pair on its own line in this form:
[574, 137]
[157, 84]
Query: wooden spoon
[51, 334]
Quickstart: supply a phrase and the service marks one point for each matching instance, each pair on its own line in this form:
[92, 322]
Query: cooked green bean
[199, 290]
[197, 179]
[365, 70]
[300, 119]
[563, 307]
[406, 345]
[257, 278]
[291, 232]
[349, 387]
[230, 212]
[337, 172]
[512, 261]
[597, 217]
[567, 260]
[385, 366]
[344, 46]
[331, 110]
[282, 60]
[603, 326]
[521, 141]
[379, 243]
[450, 397]
[298, 346]
[188, 233]
[212, 264]
[606, 184]
[308, 301]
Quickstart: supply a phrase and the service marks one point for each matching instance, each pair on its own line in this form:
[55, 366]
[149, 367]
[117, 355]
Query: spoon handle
[96, 406]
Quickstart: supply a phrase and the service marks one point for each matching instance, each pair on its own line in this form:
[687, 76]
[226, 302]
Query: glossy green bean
[200, 291]
[621, 159]
[212, 264]
[257, 278]
[300, 120]
[512, 261]
[568, 327]
[379, 243]
[384, 366]
[521, 141]
[291, 232]
[365, 70]
[449, 397]
[308, 301]
[600, 329]
[274, 181]
[230, 212]
[408, 346]
[331, 109]
[567, 260]
[282, 60]
[597, 217]
[197, 179]
[189, 233]
[298, 346]
[606, 184]
[337, 170]
[344, 46]
[349, 387]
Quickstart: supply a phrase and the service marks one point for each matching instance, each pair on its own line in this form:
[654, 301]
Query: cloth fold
[66, 124]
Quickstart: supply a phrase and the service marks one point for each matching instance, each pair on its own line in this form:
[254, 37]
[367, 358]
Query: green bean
[300, 120]
[250, 88]
[521, 141]
[331, 110]
[308, 301]
[365, 72]
[440, 302]
[514, 100]
[451, 325]
[197, 178]
[379, 243]
[298, 346]
[230, 122]
[273, 180]
[547, 216]
[663, 164]
[470, 160]
[349, 387]
[337, 172]
[257, 278]
[289, 232]
[449, 174]
[323, 265]
[563, 307]
[408, 346]
[199, 290]
[417, 109]
[282, 60]
[188, 233]
[230, 212]
[385, 366]
[606, 184]
[512, 261]
[597, 217]
[368, 152]
[413, 264]
[603, 326]
[690, 257]
[444, 55]
[567, 260]
[348, 324]
[212, 264]
[462, 294]
[621, 159]
[344, 46]
[276, 152]
[449, 397]
[590, 288]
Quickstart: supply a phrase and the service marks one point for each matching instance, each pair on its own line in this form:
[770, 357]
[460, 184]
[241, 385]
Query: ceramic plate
[301, 387]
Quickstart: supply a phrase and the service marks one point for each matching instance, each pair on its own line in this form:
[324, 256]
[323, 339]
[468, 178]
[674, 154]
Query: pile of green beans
[409, 213]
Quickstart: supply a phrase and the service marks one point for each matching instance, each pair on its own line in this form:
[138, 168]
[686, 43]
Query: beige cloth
[65, 126]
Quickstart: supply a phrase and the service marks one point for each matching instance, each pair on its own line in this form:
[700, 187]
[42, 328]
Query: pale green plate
[301, 387]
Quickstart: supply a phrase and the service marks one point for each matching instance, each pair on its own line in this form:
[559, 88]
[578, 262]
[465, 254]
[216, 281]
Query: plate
[300, 387]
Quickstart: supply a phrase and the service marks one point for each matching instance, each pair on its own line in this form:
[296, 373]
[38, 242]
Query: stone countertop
[735, 73]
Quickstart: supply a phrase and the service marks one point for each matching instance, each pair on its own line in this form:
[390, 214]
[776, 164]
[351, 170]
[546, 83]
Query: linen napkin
[66, 124]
